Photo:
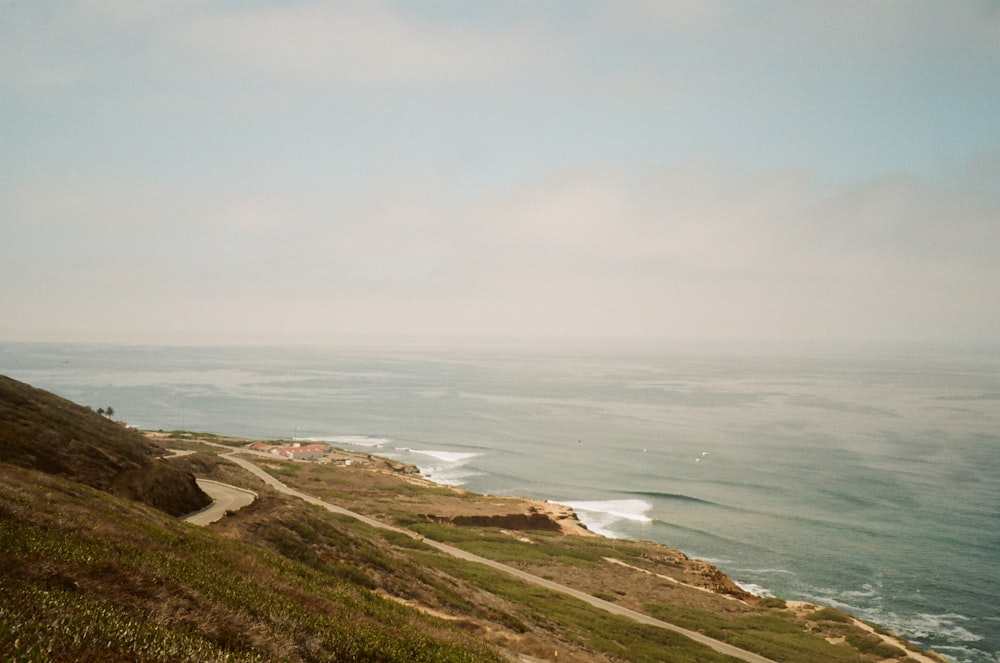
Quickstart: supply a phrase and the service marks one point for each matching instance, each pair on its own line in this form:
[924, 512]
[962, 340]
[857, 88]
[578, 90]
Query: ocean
[865, 480]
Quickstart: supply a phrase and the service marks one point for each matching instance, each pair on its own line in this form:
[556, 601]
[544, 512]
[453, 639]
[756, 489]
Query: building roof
[300, 449]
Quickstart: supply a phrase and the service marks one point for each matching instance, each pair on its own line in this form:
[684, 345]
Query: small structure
[301, 451]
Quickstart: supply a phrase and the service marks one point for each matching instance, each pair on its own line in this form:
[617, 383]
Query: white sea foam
[966, 654]
[601, 515]
[446, 456]
[754, 589]
[353, 440]
[453, 471]
[923, 625]
[918, 626]
[449, 476]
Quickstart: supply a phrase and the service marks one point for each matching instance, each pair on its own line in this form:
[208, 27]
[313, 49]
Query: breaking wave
[599, 516]
[676, 497]
[352, 440]
[451, 469]
[447, 456]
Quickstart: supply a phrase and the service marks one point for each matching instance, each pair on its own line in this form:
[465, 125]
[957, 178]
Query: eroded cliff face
[516, 514]
[513, 521]
[716, 581]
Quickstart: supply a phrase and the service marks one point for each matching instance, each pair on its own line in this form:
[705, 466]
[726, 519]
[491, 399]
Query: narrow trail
[717, 645]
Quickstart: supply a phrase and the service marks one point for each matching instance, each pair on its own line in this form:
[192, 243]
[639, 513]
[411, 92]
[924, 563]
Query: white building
[302, 451]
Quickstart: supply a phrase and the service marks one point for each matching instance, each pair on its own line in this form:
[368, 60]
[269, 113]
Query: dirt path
[712, 643]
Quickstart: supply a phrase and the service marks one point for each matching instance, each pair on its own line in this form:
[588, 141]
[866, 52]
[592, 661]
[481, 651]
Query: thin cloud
[361, 44]
[659, 170]
[854, 30]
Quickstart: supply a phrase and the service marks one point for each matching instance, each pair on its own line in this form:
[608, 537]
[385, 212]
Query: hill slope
[86, 576]
[41, 431]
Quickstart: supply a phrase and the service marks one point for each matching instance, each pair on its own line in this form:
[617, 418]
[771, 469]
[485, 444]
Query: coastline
[508, 512]
[525, 519]
[458, 507]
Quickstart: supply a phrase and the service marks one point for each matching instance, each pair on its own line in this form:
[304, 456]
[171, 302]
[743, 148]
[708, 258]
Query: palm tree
[110, 411]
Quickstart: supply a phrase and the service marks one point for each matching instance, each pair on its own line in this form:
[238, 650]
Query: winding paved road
[224, 498]
[717, 645]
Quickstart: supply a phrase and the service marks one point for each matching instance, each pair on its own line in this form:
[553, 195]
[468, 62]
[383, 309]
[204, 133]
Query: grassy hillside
[41, 431]
[85, 576]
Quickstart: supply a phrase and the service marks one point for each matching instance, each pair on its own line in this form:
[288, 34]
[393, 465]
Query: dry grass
[86, 576]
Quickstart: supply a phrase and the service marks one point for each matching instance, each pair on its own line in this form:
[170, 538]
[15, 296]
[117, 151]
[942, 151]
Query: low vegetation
[141, 586]
[830, 615]
[771, 633]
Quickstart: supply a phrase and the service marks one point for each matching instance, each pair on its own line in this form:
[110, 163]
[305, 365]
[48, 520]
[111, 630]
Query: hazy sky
[195, 171]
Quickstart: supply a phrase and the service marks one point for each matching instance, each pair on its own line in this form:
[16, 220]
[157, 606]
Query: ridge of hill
[87, 573]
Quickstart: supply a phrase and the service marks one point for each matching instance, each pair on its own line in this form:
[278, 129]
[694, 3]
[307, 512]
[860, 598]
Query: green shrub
[874, 645]
[775, 635]
[830, 615]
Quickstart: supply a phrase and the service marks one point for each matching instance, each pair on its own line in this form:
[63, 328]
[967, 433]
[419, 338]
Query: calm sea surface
[864, 481]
